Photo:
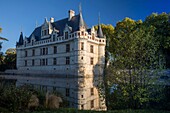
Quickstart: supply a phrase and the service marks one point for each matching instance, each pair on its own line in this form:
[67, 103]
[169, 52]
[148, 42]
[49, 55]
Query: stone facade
[65, 56]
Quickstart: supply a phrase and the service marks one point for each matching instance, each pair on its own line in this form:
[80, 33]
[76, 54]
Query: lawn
[114, 111]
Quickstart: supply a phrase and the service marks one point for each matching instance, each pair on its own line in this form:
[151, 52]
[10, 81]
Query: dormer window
[32, 42]
[66, 35]
[46, 29]
[45, 32]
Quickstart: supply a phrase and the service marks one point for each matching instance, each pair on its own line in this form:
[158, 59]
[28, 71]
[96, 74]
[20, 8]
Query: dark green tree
[134, 60]
[161, 34]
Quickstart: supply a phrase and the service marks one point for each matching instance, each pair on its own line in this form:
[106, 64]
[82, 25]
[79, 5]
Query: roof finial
[99, 19]
[36, 24]
[46, 19]
[80, 10]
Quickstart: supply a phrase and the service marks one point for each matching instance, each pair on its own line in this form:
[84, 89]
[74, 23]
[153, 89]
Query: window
[45, 32]
[92, 91]
[25, 62]
[66, 35]
[72, 35]
[91, 49]
[82, 107]
[33, 63]
[67, 92]
[46, 63]
[53, 37]
[82, 45]
[55, 49]
[43, 51]
[43, 62]
[54, 61]
[67, 47]
[26, 54]
[82, 33]
[67, 60]
[92, 103]
[33, 52]
[46, 51]
[91, 60]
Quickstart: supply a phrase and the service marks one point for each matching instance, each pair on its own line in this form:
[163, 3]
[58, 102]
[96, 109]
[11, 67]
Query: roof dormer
[67, 31]
[46, 29]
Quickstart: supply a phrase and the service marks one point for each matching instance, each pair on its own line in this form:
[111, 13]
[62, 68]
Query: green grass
[65, 110]
[114, 111]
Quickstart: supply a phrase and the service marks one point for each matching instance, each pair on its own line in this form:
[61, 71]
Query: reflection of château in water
[65, 56]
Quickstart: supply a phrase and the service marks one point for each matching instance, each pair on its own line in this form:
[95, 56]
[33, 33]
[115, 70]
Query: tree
[134, 53]
[10, 59]
[1, 38]
[0, 29]
[162, 34]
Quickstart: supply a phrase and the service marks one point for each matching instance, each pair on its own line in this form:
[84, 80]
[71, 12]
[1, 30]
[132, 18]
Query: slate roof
[75, 22]
[100, 32]
[21, 40]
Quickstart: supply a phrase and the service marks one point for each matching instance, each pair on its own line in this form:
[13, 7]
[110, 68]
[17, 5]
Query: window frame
[91, 60]
[92, 91]
[91, 48]
[33, 52]
[54, 61]
[82, 46]
[66, 35]
[67, 92]
[33, 62]
[55, 49]
[67, 60]
[67, 47]
[92, 103]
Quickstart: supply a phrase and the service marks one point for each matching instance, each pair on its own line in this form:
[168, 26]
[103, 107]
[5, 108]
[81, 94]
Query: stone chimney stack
[71, 13]
[51, 19]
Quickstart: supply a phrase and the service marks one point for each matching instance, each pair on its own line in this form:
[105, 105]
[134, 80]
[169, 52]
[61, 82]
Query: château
[64, 56]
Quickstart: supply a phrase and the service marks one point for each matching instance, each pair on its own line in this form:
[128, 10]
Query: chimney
[51, 19]
[71, 13]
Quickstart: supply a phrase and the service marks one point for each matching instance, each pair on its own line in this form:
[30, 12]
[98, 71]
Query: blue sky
[17, 15]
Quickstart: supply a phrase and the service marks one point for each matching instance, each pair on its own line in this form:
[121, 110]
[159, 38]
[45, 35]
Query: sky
[22, 15]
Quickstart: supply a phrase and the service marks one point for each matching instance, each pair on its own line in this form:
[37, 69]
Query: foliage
[162, 34]
[15, 99]
[8, 61]
[135, 60]
[0, 29]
